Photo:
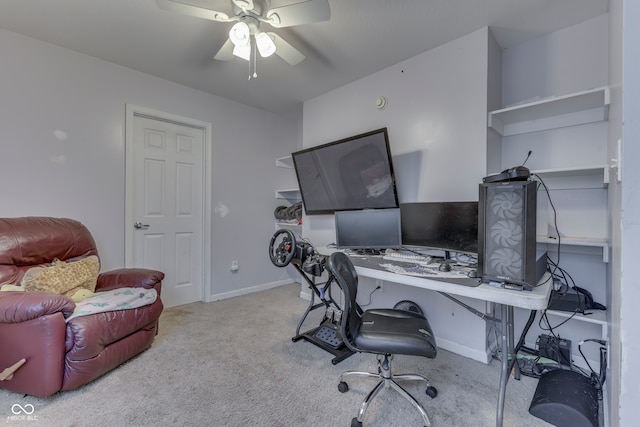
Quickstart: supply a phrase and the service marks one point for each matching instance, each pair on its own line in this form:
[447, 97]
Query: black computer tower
[507, 234]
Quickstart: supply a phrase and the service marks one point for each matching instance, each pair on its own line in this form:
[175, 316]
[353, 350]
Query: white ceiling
[362, 37]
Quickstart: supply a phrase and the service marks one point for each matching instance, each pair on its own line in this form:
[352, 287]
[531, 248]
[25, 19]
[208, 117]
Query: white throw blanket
[113, 300]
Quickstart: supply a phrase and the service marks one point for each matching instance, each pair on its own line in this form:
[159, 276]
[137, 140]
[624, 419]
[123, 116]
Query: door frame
[133, 111]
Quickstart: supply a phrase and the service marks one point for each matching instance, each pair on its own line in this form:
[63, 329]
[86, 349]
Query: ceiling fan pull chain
[255, 61]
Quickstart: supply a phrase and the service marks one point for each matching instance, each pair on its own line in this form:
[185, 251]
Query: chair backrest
[345, 275]
[36, 241]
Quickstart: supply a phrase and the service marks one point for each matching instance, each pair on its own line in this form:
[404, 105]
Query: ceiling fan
[245, 36]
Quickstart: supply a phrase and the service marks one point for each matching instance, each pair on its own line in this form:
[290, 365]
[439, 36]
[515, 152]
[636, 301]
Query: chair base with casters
[387, 379]
[384, 332]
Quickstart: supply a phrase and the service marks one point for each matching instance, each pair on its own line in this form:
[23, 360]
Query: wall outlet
[234, 265]
[380, 284]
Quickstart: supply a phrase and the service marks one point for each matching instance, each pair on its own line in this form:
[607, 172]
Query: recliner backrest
[345, 275]
[27, 242]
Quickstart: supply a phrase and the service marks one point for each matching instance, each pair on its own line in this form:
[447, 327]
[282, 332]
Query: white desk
[537, 299]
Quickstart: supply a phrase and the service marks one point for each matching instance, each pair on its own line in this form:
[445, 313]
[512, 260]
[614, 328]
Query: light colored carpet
[233, 363]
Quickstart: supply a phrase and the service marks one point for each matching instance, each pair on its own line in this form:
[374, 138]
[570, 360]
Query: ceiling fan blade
[285, 51]
[304, 12]
[188, 9]
[243, 4]
[226, 51]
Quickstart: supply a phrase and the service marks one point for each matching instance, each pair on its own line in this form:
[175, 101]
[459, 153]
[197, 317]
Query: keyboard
[393, 255]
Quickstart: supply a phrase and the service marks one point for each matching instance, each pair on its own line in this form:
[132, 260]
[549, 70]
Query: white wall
[566, 61]
[570, 60]
[630, 285]
[624, 63]
[46, 88]
[615, 196]
[436, 118]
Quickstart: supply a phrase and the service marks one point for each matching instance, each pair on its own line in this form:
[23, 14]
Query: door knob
[140, 226]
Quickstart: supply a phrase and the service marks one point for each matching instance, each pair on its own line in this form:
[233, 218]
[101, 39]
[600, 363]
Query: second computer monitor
[449, 226]
[368, 229]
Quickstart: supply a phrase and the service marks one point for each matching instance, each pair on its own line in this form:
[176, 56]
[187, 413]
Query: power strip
[554, 348]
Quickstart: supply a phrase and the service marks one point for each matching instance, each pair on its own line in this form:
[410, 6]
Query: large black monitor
[449, 226]
[352, 173]
[368, 229]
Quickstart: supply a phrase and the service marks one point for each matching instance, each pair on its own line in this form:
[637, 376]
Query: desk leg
[504, 373]
[512, 351]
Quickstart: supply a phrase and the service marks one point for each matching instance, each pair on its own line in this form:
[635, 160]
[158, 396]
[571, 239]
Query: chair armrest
[129, 278]
[16, 307]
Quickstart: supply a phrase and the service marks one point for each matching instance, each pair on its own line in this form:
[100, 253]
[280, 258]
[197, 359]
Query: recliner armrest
[16, 307]
[129, 278]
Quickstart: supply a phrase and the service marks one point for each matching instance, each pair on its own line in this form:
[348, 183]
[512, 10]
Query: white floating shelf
[290, 195]
[288, 224]
[589, 242]
[596, 317]
[578, 177]
[551, 113]
[285, 162]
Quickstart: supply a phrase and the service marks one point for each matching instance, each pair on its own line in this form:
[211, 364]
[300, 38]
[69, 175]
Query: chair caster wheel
[356, 423]
[343, 387]
[432, 392]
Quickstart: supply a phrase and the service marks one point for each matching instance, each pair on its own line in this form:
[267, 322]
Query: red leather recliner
[59, 355]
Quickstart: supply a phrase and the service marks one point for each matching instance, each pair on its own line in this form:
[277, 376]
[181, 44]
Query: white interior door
[165, 182]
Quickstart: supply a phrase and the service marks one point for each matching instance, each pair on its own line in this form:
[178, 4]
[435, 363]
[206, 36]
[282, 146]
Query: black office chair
[384, 332]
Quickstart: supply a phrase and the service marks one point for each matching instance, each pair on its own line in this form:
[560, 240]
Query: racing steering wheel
[282, 253]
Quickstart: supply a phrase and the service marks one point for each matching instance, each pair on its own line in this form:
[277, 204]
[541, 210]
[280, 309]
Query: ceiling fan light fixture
[265, 44]
[243, 52]
[239, 34]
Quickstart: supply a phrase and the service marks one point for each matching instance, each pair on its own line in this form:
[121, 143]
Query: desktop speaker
[507, 234]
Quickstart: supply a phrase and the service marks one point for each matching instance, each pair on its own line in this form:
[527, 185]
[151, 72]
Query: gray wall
[46, 88]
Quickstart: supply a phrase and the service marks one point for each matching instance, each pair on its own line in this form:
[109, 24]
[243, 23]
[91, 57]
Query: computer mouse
[444, 266]
[472, 274]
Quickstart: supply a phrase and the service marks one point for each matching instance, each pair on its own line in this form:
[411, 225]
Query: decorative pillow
[64, 278]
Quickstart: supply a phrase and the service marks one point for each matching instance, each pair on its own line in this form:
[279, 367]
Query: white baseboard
[305, 294]
[249, 290]
[471, 353]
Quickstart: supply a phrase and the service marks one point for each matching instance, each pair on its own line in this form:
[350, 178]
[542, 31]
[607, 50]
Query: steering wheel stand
[311, 266]
[325, 335]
